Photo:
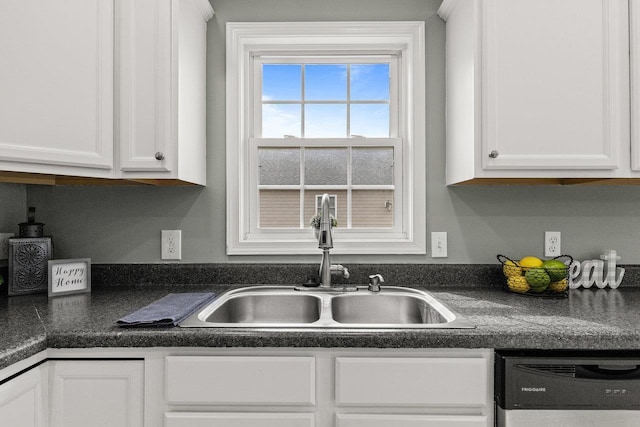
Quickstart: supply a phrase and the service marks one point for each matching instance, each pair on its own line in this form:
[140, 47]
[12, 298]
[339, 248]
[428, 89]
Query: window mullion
[302, 102]
[349, 194]
[356, 57]
[302, 149]
[327, 142]
[348, 100]
[332, 187]
[302, 219]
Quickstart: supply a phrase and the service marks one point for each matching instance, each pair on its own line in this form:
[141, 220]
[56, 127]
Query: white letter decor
[591, 272]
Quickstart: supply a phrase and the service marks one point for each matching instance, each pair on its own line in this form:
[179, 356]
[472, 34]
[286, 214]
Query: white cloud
[280, 120]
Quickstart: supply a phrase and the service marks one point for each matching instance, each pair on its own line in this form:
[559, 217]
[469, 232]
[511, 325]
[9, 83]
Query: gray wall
[122, 224]
[13, 210]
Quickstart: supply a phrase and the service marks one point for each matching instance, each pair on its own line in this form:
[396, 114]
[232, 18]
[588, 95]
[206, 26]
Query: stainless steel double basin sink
[286, 307]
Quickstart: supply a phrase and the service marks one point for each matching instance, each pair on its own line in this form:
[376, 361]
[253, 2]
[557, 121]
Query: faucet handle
[339, 270]
[374, 282]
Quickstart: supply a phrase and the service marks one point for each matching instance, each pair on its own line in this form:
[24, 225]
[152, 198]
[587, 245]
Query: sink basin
[286, 307]
[380, 308]
[266, 308]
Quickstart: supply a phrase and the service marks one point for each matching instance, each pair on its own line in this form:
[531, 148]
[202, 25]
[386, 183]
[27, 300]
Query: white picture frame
[69, 276]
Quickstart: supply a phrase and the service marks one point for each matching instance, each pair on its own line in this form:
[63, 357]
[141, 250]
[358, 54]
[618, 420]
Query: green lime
[538, 279]
[555, 269]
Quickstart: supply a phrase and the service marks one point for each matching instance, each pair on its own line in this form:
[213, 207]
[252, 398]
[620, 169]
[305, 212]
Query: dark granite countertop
[588, 319]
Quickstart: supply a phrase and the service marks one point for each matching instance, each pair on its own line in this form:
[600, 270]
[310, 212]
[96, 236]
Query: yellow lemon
[530, 261]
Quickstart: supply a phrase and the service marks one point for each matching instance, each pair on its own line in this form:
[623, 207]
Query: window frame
[244, 42]
[333, 200]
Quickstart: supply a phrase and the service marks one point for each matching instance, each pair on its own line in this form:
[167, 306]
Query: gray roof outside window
[326, 166]
[279, 166]
[372, 166]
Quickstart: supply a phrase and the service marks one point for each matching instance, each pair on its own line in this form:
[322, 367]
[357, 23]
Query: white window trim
[333, 199]
[243, 39]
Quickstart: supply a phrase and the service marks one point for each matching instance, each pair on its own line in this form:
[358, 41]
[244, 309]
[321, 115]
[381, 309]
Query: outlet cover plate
[552, 247]
[171, 244]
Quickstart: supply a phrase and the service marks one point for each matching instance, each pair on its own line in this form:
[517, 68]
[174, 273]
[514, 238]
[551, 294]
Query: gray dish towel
[167, 311]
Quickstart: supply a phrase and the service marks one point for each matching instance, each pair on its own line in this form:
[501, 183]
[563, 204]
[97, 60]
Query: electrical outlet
[552, 246]
[4, 245]
[171, 244]
[438, 244]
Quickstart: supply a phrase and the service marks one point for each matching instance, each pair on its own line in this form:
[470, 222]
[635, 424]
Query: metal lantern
[28, 258]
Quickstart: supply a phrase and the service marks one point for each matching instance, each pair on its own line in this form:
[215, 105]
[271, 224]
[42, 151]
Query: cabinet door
[56, 84]
[97, 393]
[554, 83]
[232, 419]
[378, 420]
[147, 86]
[23, 401]
[241, 380]
[412, 382]
[634, 22]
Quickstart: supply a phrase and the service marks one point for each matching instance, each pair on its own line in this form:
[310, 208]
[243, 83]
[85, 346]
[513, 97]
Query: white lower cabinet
[328, 388]
[398, 383]
[415, 381]
[250, 383]
[250, 387]
[377, 420]
[238, 419]
[23, 399]
[97, 393]
[245, 380]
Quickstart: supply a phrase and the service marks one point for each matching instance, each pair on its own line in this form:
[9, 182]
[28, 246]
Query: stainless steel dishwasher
[567, 389]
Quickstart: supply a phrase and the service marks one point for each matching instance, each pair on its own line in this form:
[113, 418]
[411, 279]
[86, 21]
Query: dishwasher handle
[608, 372]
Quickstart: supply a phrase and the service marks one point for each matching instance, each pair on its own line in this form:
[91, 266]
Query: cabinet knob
[493, 154]
[159, 156]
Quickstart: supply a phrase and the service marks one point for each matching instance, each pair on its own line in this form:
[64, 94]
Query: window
[333, 205]
[325, 125]
[317, 108]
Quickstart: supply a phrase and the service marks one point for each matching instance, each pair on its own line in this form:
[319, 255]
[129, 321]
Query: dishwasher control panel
[567, 382]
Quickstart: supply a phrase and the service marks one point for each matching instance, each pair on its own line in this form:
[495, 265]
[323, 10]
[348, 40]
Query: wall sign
[592, 272]
[69, 276]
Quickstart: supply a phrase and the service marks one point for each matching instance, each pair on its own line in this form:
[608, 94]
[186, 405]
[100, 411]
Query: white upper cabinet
[161, 86]
[56, 86]
[104, 88]
[634, 20]
[537, 89]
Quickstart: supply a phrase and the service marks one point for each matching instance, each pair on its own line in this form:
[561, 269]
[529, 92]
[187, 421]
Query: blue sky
[325, 82]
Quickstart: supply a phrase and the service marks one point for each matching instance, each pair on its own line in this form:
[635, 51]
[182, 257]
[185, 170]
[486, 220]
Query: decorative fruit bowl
[536, 277]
